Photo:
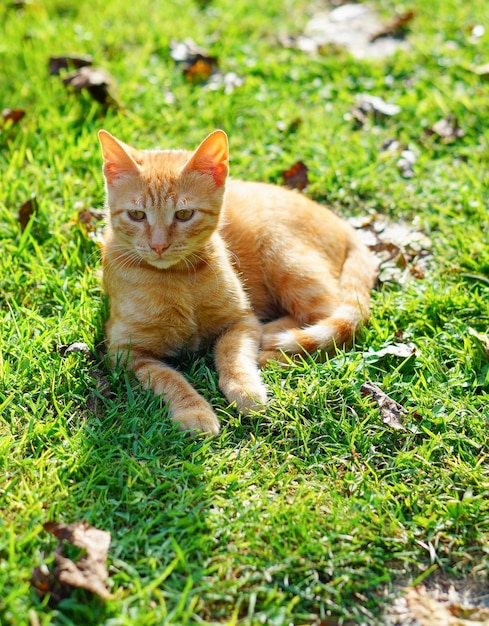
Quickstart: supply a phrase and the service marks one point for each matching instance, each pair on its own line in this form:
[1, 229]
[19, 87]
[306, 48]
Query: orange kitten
[191, 258]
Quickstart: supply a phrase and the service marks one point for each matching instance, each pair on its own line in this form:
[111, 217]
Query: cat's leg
[187, 407]
[236, 355]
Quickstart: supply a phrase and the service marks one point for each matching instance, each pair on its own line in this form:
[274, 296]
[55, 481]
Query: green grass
[316, 508]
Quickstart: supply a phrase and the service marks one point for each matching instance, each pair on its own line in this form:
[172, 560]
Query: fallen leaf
[68, 62]
[350, 26]
[400, 350]
[296, 176]
[77, 346]
[96, 81]
[428, 611]
[368, 106]
[196, 63]
[26, 211]
[13, 115]
[447, 129]
[402, 251]
[88, 572]
[92, 221]
[406, 163]
[441, 601]
[390, 410]
[397, 27]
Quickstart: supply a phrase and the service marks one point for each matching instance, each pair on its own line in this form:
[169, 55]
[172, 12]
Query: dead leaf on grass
[428, 611]
[88, 572]
[196, 63]
[406, 163]
[355, 27]
[371, 107]
[447, 129]
[397, 27]
[68, 62]
[400, 350]
[77, 346]
[26, 211]
[402, 250]
[13, 115]
[296, 176]
[390, 411]
[92, 222]
[98, 83]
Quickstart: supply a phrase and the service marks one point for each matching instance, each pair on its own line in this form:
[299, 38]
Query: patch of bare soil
[441, 601]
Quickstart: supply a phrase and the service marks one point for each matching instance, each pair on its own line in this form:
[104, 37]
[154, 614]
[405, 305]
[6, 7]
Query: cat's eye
[136, 215]
[184, 215]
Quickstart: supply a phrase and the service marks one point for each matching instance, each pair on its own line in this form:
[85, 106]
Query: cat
[191, 257]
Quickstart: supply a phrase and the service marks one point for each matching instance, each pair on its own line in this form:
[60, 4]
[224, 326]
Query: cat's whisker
[200, 257]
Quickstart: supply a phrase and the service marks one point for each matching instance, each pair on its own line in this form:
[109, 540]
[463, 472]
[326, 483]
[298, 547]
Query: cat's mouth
[162, 263]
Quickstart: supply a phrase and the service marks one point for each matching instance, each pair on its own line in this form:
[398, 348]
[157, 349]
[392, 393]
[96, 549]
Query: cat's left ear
[118, 162]
[211, 157]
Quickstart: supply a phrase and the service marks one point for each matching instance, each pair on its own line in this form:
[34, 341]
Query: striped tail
[356, 281]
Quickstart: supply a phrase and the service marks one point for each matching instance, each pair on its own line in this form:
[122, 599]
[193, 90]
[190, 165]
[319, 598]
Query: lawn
[318, 511]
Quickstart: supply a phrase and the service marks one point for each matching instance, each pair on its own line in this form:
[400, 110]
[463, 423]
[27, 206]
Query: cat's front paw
[203, 420]
[248, 399]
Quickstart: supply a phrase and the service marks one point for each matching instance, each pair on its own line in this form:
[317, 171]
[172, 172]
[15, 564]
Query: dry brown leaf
[68, 62]
[26, 211]
[196, 63]
[98, 83]
[402, 251]
[92, 222]
[13, 115]
[390, 411]
[429, 611]
[397, 27]
[296, 176]
[87, 572]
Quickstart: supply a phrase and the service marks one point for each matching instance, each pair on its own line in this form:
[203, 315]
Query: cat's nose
[160, 247]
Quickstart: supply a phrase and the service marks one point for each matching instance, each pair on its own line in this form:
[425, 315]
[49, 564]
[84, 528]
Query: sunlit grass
[315, 508]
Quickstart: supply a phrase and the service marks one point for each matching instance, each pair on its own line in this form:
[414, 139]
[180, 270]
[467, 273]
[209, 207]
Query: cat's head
[164, 204]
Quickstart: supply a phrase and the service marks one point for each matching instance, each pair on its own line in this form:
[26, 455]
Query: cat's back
[262, 210]
[276, 236]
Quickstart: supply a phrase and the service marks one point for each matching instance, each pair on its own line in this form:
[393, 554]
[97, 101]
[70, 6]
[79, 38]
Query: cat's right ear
[118, 163]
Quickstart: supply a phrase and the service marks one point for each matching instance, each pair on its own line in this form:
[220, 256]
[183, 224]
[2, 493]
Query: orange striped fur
[190, 257]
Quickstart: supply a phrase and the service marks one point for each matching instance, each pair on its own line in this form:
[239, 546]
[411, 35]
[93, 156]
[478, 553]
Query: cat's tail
[356, 281]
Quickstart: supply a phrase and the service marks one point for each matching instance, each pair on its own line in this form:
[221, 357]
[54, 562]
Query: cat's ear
[118, 162]
[211, 157]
